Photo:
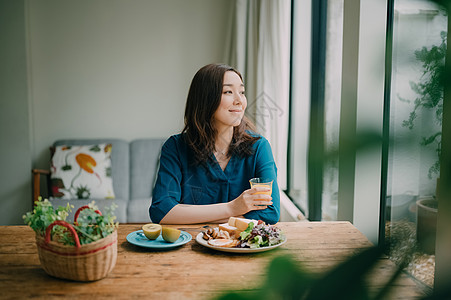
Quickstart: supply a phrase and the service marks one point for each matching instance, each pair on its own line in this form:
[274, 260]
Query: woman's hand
[252, 199]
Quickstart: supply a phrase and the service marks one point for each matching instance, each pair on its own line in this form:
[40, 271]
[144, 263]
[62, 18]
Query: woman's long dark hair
[203, 100]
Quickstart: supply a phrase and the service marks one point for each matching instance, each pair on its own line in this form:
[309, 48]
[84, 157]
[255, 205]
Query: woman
[205, 170]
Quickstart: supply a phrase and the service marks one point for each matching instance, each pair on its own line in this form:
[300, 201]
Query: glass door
[416, 106]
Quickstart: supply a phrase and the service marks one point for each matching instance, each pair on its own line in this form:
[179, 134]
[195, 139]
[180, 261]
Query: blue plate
[139, 239]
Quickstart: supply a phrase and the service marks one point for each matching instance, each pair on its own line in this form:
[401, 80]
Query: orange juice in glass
[263, 182]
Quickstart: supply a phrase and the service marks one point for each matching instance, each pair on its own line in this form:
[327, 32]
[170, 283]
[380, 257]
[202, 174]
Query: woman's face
[233, 102]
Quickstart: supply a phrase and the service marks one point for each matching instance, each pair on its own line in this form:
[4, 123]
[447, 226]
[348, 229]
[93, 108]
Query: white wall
[121, 69]
[117, 68]
[15, 153]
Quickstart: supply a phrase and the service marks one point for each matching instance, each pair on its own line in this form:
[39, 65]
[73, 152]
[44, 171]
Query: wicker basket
[88, 262]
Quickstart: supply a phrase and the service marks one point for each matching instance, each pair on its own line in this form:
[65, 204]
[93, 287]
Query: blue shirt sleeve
[167, 190]
[266, 167]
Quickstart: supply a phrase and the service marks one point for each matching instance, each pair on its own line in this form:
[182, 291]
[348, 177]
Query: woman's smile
[233, 102]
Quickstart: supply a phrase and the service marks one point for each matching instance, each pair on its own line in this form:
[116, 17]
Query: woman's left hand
[255, 198]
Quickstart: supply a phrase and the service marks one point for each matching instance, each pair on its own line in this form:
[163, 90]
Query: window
[393, 184]
[301, 104]
[415, 130]
[332, 99]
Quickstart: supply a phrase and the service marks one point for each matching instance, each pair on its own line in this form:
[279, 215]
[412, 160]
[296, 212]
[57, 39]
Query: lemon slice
[152, 231]
[170, 234]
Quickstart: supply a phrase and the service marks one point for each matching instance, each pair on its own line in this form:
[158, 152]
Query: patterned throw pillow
[82, 172]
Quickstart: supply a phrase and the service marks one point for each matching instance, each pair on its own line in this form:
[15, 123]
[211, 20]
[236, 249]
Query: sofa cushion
[134, 167]
[82, 172]
[119, 162]
[144, 156]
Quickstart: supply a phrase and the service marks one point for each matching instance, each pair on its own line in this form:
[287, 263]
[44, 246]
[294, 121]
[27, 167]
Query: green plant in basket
[90, 225]
[44, 214]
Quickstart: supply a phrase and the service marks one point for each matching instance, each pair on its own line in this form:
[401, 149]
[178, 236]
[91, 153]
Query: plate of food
[158, 237]
[240, 235]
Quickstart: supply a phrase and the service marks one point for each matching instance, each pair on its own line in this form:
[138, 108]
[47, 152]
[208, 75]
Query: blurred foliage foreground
[285, 279]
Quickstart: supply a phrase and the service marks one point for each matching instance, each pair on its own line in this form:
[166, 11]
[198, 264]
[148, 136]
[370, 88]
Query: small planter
[88, 262]
[427, 224]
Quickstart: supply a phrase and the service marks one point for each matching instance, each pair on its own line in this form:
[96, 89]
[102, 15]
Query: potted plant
[427, 223]
[84, 251]
[429, 97]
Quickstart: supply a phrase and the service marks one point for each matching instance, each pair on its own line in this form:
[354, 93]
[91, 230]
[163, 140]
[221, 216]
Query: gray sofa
[134, 168]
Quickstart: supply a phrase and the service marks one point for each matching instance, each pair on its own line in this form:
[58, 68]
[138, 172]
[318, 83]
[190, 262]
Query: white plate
[203, 242]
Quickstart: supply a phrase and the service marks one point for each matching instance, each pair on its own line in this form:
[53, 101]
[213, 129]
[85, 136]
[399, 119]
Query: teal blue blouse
[180, 180]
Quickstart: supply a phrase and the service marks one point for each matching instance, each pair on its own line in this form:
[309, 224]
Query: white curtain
[260, 49]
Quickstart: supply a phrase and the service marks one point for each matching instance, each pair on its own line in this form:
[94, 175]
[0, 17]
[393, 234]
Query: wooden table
[188, 272]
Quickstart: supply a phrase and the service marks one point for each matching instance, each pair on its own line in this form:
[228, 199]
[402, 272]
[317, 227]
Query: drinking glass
[264, 182]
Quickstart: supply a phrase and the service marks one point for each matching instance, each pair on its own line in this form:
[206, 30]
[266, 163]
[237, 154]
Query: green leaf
[244, 234]
[285, 280]
[95, 148]
[66, 168]
[91, 226]
[430, 91]
[346, 280]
